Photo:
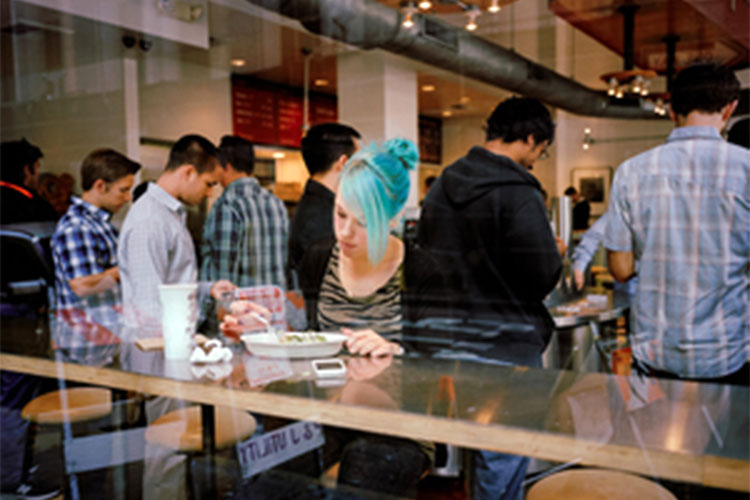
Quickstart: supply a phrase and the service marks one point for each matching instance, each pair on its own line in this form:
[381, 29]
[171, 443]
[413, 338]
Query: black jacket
[312, 221]
[485, 221]
[22, 204]
[422, 293]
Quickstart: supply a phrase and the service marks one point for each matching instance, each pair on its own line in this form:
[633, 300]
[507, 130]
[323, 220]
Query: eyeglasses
[544, 154]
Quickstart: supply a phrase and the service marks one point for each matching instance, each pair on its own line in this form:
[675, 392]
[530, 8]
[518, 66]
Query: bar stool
[182, 431]
[597, 484]
[68, 406]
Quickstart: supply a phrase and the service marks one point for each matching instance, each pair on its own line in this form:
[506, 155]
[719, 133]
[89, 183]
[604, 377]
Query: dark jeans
[16, 389]
[740, 377]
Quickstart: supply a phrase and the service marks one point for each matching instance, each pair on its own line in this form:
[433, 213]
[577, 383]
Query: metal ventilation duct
[369, 24]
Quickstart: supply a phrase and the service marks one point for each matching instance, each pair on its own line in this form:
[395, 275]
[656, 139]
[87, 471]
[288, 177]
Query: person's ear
[674, 117]
[100, 186]
[188, 172]
[338, 166]
[728, 110]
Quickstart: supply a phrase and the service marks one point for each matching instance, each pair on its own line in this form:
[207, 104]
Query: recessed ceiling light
[320, 82]
[278, 155]
[425, 4]
[447, 113]
[237, 63]
[428, 88]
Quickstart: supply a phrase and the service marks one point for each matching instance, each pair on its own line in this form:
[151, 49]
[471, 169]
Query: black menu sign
[267, 113]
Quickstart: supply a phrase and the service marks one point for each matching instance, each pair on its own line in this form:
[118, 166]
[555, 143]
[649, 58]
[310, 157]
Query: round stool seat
[596, 484]
[181, 429]
[78, 404]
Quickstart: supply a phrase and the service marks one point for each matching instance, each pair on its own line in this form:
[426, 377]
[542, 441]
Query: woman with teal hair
[362, 282]
[369, 284]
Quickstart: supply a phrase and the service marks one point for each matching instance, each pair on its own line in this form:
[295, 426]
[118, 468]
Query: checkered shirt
[84, 243]
[245, 236]
[683, 209]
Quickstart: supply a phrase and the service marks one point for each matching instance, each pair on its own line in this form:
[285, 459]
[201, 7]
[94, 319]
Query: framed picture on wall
[593, 184]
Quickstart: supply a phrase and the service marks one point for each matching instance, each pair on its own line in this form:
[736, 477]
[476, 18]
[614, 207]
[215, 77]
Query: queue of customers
[484, 254]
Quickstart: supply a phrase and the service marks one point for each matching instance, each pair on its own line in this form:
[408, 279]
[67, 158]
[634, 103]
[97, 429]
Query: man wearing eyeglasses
[485, 220]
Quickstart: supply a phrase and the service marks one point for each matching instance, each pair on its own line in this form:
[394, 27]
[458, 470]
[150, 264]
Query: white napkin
[217, 353]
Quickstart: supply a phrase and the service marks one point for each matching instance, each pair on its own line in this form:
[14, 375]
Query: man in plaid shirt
[246, 232]
[84, 245]
[679, 218]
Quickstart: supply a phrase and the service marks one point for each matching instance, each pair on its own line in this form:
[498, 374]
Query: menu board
[267, 113]
[253, 114]
[430, 140]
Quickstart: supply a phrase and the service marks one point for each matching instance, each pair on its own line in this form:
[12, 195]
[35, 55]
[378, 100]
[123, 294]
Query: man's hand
[561, 246]
[578, 278]
[621, 265]
[221, 287]
[95, 283]
[369, 343]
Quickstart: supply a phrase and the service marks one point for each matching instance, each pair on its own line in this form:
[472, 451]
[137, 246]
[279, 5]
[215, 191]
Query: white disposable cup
[179, 308]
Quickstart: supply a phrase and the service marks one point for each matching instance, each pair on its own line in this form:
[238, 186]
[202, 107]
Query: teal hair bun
[403, 149]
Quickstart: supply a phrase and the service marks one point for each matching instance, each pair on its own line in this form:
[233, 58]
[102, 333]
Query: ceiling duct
[368, 24]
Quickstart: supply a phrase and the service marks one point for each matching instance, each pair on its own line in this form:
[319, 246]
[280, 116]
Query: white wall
[178, 98]
[67, 123]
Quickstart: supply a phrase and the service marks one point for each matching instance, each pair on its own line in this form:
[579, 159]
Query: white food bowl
[268, 345]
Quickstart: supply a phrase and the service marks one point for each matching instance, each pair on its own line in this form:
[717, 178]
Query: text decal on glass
[276, 447]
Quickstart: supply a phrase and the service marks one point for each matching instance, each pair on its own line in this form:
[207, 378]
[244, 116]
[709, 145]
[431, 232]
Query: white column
[132, 117]
[377, 95]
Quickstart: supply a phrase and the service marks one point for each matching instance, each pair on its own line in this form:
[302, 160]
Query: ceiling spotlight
[586, 146]
[464, 99]
[472, 14]
[408, 9]
[425, 4]
[237, 62]
[587, 131]
[278, 155]
[428, 88]
[447, 113]
[320, 82]
[494, 7]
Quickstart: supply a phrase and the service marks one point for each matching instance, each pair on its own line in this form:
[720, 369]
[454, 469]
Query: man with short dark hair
[325, 149]
[680, 215]
[246, 232]
[155, 246]
[19, 172]
[485, 221]
[84, 245]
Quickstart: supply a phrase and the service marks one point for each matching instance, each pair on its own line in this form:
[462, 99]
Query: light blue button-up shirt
[154, 248]
[683, 209]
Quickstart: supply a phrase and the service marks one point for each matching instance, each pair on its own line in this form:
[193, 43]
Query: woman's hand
[369, 343]
[242, 318]
[360, 368]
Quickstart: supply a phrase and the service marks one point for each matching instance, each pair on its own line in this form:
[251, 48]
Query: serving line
[643, 439]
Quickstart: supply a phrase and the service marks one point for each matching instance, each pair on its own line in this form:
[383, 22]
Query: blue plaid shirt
[245, 236]
[683, 209]
[84, 243]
